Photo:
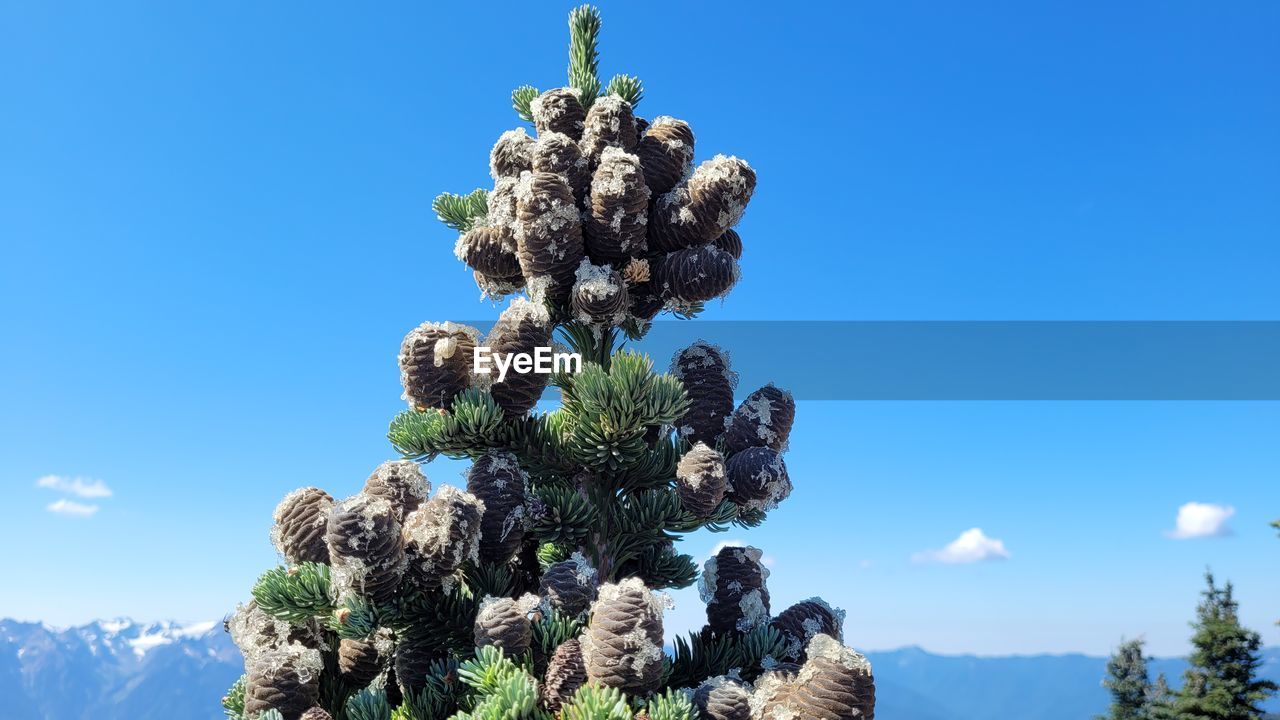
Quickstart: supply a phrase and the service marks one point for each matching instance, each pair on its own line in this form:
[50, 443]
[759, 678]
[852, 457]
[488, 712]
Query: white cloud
[724, 544]
[70, 507]
[1202, 520]
[972, 546]
[78, 486]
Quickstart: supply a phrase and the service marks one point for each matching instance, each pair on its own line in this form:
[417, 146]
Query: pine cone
[838, 684]
[300, 519]
[435, 363]
[733, 587]
[521, 328]
[558, 153]
[359, 662]
[569, 585]
[548, 235]
[566, 672]
[731, 243]
[413, 659]
[496, 289]
[645, 304]
[502, 204]
[616, 227]
[700, 210]
[709, 383]
[505, 623]
[774, 695]
[764, 419]
[558, 111]
[722, 698]
[316, 713]
[511, 155]
[497, 480]
[666, 152]
[802, 621]
[401, 483]
[758, 478]
[440, 536]
[285, 681]
[700, 480]
[490, 251]
[599, 295]
[695, 274]
[366, 548]
[609, 123]
[642, 126]
[622, 646]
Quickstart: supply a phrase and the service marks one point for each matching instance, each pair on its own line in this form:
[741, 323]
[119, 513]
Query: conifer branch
[584, 54]
[627, 87]
[521, 98]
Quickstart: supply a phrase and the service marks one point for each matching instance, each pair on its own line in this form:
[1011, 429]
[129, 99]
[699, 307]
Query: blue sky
[215, 229]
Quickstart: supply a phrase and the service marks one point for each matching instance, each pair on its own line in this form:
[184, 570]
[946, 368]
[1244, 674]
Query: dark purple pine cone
[548, 235]
[764, 419]
[522, 327]
[644, 301]
[701, 209]
[609, 123]
[413, 659]
[283, 682]
[616, 227]
[401, 483]
[838, 683]
[440, 536]
[569, 585]
[622, 645]
[666, 152]
[599, 295]
[359, 662]
[802, 621]
[642, 126]
[723, 698]
[497, 480]
[495, 289]
[490, 251]
[558, 111]
[511, 155]
[316, 713]
[505, 623]
[709, 383]
[366, 548]
[435, 363]
[732, 585]
[565, 674]
[695, 274]
[731, 243]
[758, 478]
[700, 480]
[300, 520]
[558, 153]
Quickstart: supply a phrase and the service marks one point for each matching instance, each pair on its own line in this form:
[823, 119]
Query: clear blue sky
[215, 229]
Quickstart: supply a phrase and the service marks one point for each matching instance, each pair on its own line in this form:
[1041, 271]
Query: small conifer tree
[1128, 682]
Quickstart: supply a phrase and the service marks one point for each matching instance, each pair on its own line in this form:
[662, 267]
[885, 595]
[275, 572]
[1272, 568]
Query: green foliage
[628, 87]
[671, 705]
[354, 619]
[233, 701]
[552, 553]
[501, 689]
[295, 594]
[584, 54]
[439, 619]
[369, 704]
[461, 212]
[272, 714]
[566, 518]
[521, 97]
[551, 630]
[1128, 683]
[473, 425]
[592, 702]
[437, 700]
[702, 656]
[494, 579]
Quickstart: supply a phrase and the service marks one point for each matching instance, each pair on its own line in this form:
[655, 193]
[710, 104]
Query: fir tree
[1160, 700]
[1128, 683]
[533, 593]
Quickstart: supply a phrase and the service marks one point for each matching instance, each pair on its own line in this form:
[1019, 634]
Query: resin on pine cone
[695, 274]
[619, 211]
[569, 586]
[835, 683]
[701, 209]
[504, 622]
[566, 672]
[285, 680]
[622, 645]
[401, 483]
[521, 328]
[701, 480]
[559, 154]
[435, 363]
[758, 478]
[548, 234]
[709, 383]
[511, 155]
[609, 123]
[599, 295]
[491, 251]
[502, 204]
[764, 419]
[366, 548]
[496, 479]
[558, 111]
[723, 698]
[300, 520]
[733, 587]
[666, 153]
[440, 536]
[316, 713]
[359, 661]
[801, 622]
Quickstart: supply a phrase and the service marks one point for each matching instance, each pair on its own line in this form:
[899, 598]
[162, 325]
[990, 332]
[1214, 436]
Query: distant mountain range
[118, 670]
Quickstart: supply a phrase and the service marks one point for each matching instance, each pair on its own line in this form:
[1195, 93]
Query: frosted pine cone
[366, 548]
[565, 674]
[497, 480]
[609, 123]
[496, 289]
[435, 363]
[521, 328]
[316, 713]
[502, 204]
[599, 295]
[505, 623]
[440, 536]
[490, 251]
[401, 483]
[622, 645]
[300, 520]
[733, 587]
[558, 153]
[548, 234]
[700, 480]
[764, 419]
[731, 243]
[802, 621]
[835, 683]
[695, 274]
[511, 155]
[619, 209]
[758, 478]
[709, 383]
[558, 111]
[286, 681]
[774, 695]
[666, 152]
[570, 585]
[701, 209]
[722, 698]
[359, 662]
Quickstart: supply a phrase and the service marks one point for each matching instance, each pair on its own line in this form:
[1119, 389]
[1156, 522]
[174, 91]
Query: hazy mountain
[118, 670]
